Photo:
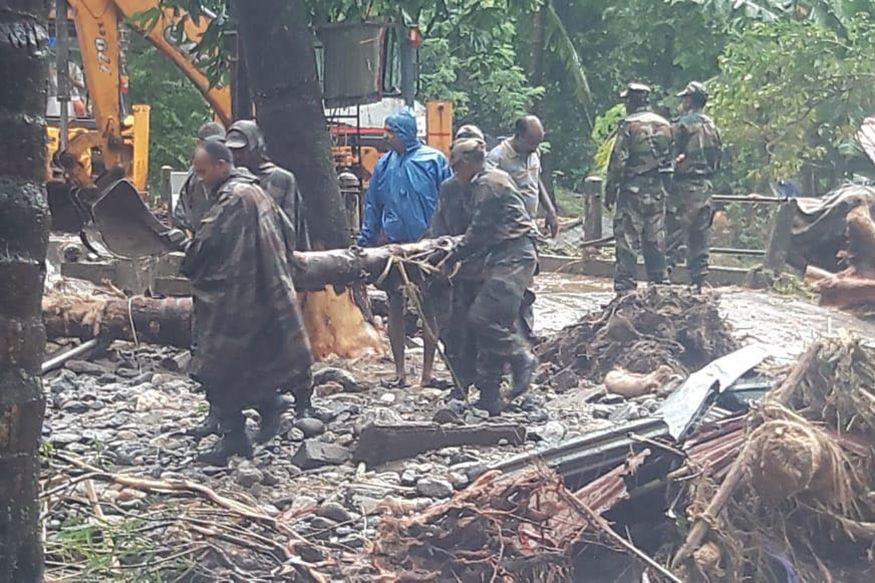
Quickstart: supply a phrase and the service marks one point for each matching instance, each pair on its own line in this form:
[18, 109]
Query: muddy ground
[128, 411]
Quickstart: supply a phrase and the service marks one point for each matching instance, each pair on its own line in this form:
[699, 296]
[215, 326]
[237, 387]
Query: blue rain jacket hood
[403, 191]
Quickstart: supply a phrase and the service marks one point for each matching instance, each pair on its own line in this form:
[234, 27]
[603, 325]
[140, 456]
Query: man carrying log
[399, 205]
[502, 232]
[448, 303]
[248, 333]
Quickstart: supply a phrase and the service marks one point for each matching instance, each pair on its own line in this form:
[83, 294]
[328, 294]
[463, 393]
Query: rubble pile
[802, 509]
[500, 528]
[641, 331]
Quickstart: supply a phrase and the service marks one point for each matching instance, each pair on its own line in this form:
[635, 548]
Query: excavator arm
[97, 28]
[219, 97]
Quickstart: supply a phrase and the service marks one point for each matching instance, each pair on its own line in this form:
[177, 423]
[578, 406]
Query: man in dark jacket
[501, 238]
[448, 302]
[246, 142]
[250, 337]
[193, 204]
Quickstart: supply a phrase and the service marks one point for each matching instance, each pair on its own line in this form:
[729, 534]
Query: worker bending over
[447, 302]
[399, 205]
[250, 337]
[501, 235]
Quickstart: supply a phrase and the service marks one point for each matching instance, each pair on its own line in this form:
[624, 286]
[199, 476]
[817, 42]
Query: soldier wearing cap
[697, 151]
[246, 142]
[448, 304]
[500, 239]
[640, 163]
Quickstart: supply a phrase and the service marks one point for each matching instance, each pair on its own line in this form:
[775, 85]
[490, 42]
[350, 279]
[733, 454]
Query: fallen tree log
[168, 321]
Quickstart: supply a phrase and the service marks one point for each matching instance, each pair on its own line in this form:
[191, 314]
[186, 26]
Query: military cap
[635, 87]
[694, 88]
[465, 149]
[244, 134]
[469, 131]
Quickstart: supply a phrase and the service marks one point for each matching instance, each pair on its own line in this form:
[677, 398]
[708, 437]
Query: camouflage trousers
[639, 227]
[688, 216]
[493, 315]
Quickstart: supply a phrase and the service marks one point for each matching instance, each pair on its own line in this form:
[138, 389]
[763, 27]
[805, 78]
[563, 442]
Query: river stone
[434, 488]
[310, 426]
[334, 511]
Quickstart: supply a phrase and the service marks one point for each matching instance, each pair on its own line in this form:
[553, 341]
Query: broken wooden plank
[384, 442]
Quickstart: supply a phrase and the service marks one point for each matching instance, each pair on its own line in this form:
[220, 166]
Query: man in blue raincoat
[399, 205]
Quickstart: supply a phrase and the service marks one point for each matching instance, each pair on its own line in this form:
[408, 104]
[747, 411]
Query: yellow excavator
[121, 136]
[94, 143]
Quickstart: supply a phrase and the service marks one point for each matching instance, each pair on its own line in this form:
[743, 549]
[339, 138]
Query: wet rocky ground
[128, 411]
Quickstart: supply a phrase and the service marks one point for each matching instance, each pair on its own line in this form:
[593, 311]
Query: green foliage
[178, 108]
[791, 95]
[477, 69]
[604, 133]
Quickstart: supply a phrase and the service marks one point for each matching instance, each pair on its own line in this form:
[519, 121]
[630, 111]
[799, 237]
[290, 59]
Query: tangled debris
[799, 506]
[499, 527]
[641, 331]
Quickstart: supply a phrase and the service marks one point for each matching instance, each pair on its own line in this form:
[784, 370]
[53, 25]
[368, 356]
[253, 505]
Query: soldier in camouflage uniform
[697, 150]
[500, 238]
[640, 165]
[246, 142]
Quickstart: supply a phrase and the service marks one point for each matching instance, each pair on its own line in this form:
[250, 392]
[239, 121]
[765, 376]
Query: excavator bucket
[126, 225]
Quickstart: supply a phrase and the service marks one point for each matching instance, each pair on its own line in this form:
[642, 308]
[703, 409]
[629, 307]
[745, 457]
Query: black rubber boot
[522, 366]
[304, 404]
[209, 426]
[271, 413]
[233, 442]
[490, 400]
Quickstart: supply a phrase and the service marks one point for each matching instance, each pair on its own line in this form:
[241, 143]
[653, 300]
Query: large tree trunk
[168, 321]
[24, 221]
[281, 68]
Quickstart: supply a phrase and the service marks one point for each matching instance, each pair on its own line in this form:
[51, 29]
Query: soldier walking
[697, 151]
[640, 165]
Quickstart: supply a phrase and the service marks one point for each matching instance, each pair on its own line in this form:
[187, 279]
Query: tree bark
[281, 66]
[24, 221]
[168, 321]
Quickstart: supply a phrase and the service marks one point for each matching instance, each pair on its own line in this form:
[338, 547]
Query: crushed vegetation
[804, 510]
[641, 331]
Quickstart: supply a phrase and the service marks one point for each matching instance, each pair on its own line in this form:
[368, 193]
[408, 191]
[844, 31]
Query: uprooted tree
[23, 238]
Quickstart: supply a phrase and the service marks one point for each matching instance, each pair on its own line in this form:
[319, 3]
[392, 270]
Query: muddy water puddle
[786, 324]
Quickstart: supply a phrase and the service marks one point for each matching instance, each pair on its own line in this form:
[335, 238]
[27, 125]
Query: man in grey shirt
[518, 156]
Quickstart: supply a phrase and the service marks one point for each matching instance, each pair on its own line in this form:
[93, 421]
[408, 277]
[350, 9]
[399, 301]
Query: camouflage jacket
[282, 186]
[248, 330]
[498, 218]
[697, 145]
[643, 148]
